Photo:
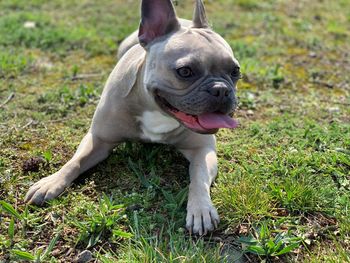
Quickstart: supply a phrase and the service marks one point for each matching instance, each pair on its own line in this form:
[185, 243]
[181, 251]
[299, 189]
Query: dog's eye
[236, 73]
[185, 72]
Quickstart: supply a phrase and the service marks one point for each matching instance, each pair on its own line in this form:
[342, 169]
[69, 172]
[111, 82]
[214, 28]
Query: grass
[283, 189]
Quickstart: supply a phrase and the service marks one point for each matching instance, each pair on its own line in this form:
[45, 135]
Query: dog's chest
[155, 126]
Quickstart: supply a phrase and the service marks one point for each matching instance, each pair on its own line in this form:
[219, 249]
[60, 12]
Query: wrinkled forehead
[205, 38]
[201, 45]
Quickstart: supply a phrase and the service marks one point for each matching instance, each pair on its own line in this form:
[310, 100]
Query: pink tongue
[216, 120]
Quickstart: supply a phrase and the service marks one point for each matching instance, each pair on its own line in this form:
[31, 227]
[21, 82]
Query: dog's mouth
[206, 123]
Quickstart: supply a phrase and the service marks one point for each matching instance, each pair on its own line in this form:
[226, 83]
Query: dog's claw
[201, 219]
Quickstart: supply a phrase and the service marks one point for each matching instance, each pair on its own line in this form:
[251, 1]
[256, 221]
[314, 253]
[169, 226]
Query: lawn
[283, 188]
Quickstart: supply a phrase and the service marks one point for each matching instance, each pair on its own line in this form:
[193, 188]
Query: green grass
[283, 189]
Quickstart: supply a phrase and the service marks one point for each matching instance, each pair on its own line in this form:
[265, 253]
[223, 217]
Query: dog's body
[175, 87]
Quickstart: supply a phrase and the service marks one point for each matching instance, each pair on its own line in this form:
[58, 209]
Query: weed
[101, 222]
[268, 245]
[47, 155]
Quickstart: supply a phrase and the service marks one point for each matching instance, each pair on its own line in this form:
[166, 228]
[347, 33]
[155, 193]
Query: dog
[175, 83]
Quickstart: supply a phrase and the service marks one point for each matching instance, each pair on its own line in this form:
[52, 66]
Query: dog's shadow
[134, 166]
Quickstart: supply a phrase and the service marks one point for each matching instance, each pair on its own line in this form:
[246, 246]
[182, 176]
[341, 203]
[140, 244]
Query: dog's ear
[126, 71]
[199, 17]
[158, 18]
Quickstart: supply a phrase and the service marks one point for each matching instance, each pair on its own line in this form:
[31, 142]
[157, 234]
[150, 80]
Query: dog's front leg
[91, 151]
[201, 214]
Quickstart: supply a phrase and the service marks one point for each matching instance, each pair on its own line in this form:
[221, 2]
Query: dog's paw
[202, 217]
[45, 189]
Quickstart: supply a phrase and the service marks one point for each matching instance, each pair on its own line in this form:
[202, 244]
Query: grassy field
[283, 189]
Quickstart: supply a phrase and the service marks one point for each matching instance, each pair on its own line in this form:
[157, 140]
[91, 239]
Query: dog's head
[190, 71]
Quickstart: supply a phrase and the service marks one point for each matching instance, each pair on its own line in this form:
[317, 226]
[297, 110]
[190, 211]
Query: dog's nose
[219, 90]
